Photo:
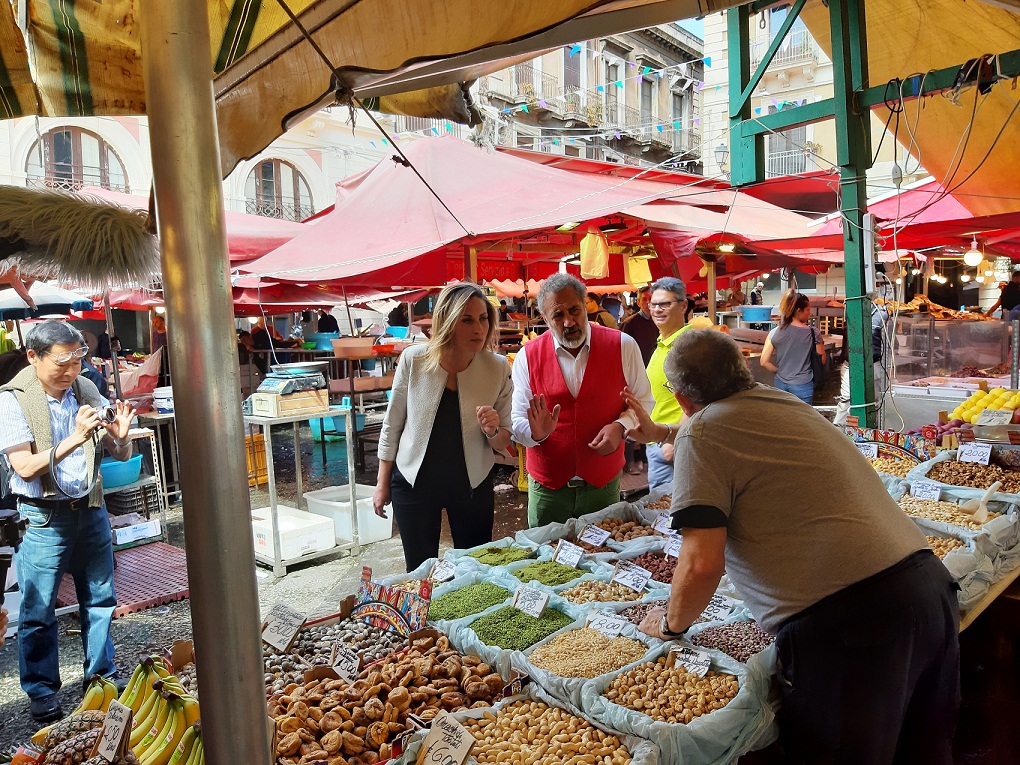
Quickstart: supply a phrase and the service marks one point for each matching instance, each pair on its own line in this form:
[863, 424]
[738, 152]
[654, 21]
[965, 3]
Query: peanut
[945, 512]
[600, 592]
[943, 545]
[586, 652]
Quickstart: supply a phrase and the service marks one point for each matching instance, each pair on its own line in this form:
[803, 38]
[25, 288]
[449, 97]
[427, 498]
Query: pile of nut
[623, 531]
[533, 733]
[975, 474]
[943, 545]
[946, 512]
[314, 646]
[665, 502]
[188, 675]
[740, 640]
[639, 611]
[592, 591]
[467, 601]
[660, 566]
[591, 549]
[500, 556]
[515, 630]
[586, 652]
[893, 467]
[549, 573]
[355, 724]
[671, 694]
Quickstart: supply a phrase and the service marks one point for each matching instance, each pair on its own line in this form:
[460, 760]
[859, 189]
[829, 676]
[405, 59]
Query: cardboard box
[127, 534]
[274, 405]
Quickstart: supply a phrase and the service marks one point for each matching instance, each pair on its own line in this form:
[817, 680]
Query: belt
[577, 483]
[80, 503]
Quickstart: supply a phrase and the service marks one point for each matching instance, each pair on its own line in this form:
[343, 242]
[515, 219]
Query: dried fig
[331, 741]
[288, 745]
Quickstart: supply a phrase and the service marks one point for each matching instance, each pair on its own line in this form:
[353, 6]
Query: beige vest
[32, 400]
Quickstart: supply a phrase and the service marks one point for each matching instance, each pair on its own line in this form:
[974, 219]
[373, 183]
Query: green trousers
[559, 505]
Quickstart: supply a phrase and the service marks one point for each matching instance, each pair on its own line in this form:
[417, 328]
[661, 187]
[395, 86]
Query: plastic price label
[695, 662]
[593, 535]
[719, 607]
[282, 626]
[530, 601]
[447, 743]
[568, 553]
[629, 575]
[868, 450]
[673, 546]
[443, 571]
[346, 663]
[926, 490]
[606, 622]
[663, 523]
[995, 417]
[974, 452]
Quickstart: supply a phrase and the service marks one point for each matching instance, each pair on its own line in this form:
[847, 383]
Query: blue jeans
[59, 541]
[805, 391]
[660, 472]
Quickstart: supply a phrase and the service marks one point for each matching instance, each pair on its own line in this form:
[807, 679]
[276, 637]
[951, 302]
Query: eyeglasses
[668, 386]
[663, 306]
[68, 356]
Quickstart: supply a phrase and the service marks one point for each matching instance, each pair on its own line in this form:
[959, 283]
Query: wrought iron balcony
[798, 48]
[782, 163]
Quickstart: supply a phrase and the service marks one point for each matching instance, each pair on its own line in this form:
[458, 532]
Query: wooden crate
[275, 405]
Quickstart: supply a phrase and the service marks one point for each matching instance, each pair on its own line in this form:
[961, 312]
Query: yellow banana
[160, 666]
[161, 750]
[93, 696]
[109, 693]
[182, 754]
[133, 687]
[40, 735]
[147, 706]
[143, 736]
[197, 751]
[191, 710]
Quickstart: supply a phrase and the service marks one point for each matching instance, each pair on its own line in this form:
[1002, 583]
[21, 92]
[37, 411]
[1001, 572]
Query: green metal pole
[747, 151]
[853, 155]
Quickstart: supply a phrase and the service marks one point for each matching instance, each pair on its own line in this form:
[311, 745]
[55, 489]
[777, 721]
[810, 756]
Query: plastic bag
[626, 511]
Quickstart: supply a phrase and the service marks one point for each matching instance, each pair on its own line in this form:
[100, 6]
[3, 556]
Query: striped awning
[410, 55]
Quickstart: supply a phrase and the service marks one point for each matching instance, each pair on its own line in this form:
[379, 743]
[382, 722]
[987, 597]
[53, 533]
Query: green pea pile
[514, 630]
[500, 556]
[467, 601]
[549, 573]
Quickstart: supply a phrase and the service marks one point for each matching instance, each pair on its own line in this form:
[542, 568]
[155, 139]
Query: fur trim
[77, 239]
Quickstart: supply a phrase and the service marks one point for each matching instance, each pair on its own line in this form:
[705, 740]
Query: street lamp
[722, 153]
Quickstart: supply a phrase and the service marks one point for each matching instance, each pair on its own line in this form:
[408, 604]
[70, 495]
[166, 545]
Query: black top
[644, 331]
[328, 323]
[1010, 296]
[444, 463]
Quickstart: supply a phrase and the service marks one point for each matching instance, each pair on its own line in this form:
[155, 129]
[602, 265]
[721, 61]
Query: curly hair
[705, 365]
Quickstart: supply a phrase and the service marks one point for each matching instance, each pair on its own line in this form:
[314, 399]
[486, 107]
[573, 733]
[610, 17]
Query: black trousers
[419, 514]
[871, 674]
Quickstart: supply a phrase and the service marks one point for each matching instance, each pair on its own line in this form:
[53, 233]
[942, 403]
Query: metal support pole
[1014, 362]
[113, 353]
[712, 303]
[217, 515]
[853, 154]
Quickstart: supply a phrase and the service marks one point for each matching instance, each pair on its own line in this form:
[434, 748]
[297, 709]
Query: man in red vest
[567, 407]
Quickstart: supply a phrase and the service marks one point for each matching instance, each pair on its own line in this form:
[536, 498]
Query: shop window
[70, 158]
[647, 99]
[277, 189]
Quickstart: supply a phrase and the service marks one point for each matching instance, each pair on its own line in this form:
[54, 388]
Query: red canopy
[248, 236]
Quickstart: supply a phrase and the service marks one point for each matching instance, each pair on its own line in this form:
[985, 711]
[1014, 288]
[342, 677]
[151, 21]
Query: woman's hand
[488, 420]
[381, 498]
[647, 432]
[541, 419]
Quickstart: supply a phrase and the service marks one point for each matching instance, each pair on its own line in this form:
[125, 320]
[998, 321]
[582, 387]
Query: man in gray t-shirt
[865, 615]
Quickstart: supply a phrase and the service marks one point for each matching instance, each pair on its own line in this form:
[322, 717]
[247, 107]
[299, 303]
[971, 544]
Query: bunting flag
[575, 49]
[524, 108]
[600, 88]
[757, 110]
[659, 128]
[707, 60]
[676, 124]
[645, 69]
[619, 84]
[543, 104]
[617, 135]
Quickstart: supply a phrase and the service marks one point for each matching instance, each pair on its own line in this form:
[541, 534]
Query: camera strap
[95, 472]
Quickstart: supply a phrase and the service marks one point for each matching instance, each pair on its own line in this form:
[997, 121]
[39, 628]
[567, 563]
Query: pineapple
[73, 726]
[118, 760]
[73, 751]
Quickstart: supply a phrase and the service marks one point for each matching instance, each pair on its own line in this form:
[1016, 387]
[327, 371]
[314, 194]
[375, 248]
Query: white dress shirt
[573, 368]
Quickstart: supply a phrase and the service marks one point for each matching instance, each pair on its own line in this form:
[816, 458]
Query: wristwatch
[665, 630]
[493, 435]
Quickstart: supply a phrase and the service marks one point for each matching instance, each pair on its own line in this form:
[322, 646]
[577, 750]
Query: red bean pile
[658, 564]
[741, 640]
[639, 611]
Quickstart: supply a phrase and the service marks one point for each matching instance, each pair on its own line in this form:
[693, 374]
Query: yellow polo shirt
[667, 410]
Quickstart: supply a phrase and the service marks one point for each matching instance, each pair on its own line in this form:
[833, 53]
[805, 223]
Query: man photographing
[52, 435]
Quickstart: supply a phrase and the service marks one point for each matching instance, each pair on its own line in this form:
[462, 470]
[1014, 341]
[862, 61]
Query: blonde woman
[790, 344]
[449, 411]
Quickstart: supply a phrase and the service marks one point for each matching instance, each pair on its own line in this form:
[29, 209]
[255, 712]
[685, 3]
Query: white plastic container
[335, 502]
[301, 533]
[163, 399]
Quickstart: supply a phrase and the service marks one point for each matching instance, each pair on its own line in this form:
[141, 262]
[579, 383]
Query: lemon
[997, 391]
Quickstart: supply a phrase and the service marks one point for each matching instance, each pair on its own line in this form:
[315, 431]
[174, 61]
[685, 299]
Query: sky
[694, 26]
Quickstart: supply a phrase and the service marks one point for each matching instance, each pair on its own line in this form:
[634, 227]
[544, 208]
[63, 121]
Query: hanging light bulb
[979, 279]
[899, 280]
[973, 256]
[915, 271]
[943, 279]
[964, 277]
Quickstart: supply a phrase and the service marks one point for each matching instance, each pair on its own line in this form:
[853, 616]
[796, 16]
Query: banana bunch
[190, 750]
[100, 692]
[164, 714]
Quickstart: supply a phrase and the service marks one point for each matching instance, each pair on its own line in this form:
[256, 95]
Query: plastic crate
[136, 500]
[335, 502]
[255, 451]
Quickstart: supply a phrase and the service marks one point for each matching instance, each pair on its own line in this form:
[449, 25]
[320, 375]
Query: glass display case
[928, 347]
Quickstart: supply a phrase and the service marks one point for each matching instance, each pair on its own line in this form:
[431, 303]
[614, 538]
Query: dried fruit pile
[975, 475]
[671, 694]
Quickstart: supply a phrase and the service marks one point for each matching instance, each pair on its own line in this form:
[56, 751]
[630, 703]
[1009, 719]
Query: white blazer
[411, 414]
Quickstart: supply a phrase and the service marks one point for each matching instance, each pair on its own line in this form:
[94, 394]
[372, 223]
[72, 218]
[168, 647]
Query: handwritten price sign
[606, 622]
[282, 626]
[593, 535]
[695, 662]
[673, 546]
[568, 553]
[974, 452]
[926, 490]
[663, 523]
[346, 663]
[447, 743]
[116, 724]
[629, 575]
[719, 607]
[868, 450]
[530, 601]
[443, 571]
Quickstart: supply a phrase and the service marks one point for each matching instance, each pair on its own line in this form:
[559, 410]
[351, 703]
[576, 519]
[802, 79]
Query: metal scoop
[978, 508]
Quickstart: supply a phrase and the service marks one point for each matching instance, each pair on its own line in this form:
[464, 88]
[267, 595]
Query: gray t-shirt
[792, 344]
[806, 514]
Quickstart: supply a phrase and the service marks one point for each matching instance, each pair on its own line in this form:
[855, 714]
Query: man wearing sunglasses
[52, 436]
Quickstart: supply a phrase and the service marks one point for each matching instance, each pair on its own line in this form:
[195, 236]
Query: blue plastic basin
[117, 473]
[756, 312]
[335, 428]
[322, 340]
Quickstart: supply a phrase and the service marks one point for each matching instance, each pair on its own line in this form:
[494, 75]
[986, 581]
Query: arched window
[69, 158]
[277, 189]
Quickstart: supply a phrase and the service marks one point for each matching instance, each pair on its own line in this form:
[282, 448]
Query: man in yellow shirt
[667, 306]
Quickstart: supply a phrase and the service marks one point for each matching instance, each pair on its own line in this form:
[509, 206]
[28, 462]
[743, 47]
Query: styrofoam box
[301, 533]
[136, 531]
[335, 502]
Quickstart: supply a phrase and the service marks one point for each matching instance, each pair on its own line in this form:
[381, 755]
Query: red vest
[565, 453]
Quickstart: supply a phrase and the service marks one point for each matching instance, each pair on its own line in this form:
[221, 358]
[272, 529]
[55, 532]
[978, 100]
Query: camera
[12, 530]
[107, 414]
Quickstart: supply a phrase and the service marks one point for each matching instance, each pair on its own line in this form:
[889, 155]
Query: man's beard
[574, 342]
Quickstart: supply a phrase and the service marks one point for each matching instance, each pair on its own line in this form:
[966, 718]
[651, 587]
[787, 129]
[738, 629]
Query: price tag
[568, 553]
[663, 523]
[974, 452]
[530, 601]
[606, 622]
[719, 607]
[443, 570]
[926, 490]
[673, 546]
[593, 535]
[282, 626]
[115, 726]
[629, 575]
[868, 450]
[695, 662]
[346, 663]
[448, 742]
[995, 417]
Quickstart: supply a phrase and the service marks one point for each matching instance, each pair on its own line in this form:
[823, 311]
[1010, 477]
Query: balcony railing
[532, 85]
[782, 163]
[90, 177]
[425, 125]
[798, 48]
[273, 210]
